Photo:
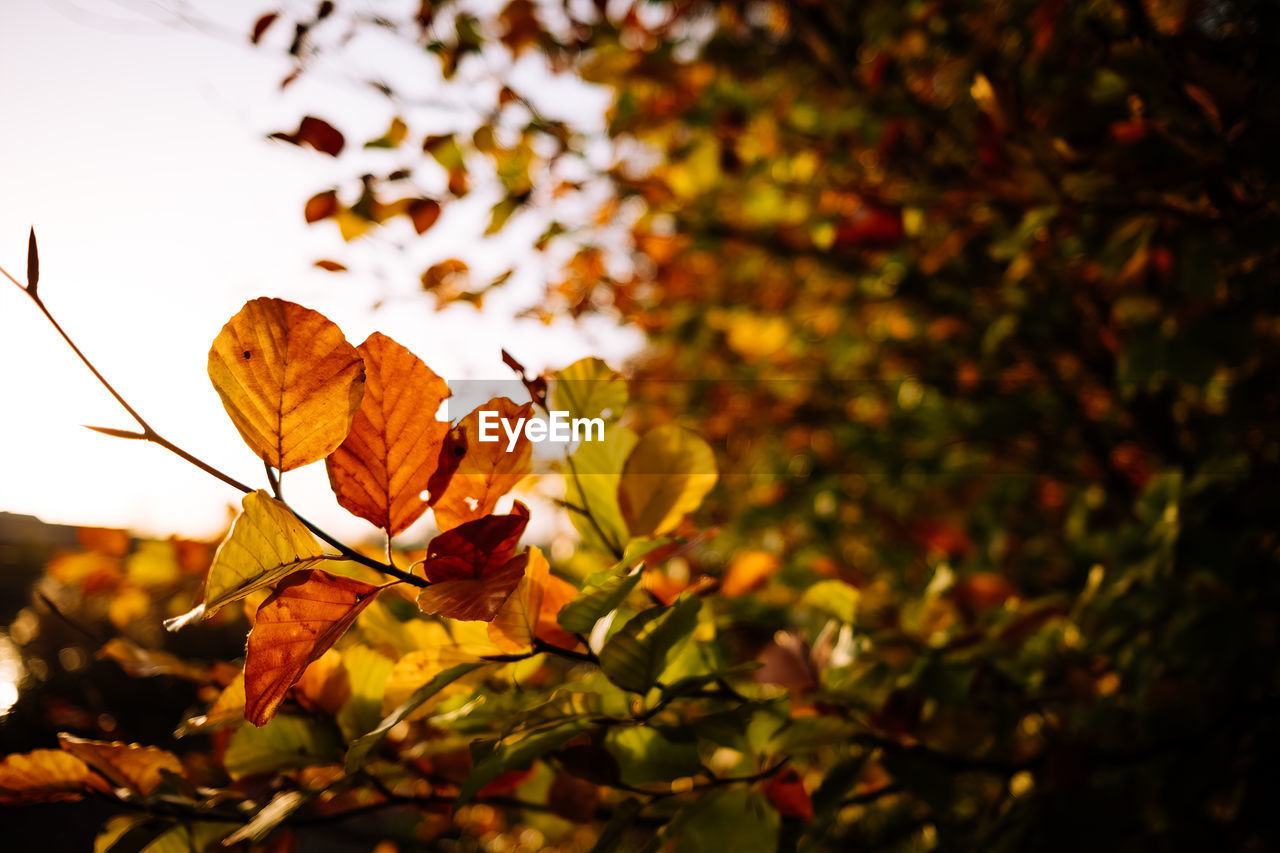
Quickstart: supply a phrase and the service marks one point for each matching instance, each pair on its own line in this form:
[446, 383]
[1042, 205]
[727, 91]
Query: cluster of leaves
[985, 290]
[474, 694]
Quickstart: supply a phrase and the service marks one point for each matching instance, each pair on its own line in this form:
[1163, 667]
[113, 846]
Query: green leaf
[361, 748]
[517, 755]
[593, 603]
[635, 656]
[835, 598]
[589, 388]
[284, 742]
[623, 816]
[594, 471]
[367, 671]
[739, 820]
[644, 755]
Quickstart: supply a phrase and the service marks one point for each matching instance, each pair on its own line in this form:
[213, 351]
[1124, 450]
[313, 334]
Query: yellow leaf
[530, 611]
[289, 380]
[589, 388]
[125, 765]
[666, 477]
[46, 776]
[266, 543]
[487, 471]
[385, 464]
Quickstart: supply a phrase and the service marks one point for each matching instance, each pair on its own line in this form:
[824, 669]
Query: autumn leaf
[665, 478]
[473, 568]
[125, 765]
[787, 793]
[384, 465]
[423, 212]
[266, 543]
[530, 611]
[320, 206]
[487, 471]
[297, 624]
[289, 380]
[317, 133]
[46, 776]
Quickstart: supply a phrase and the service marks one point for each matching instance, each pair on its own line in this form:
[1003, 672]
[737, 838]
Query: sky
[137, 148]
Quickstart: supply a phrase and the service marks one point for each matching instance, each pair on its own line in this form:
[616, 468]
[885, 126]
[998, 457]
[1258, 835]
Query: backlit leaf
[634, 657]
[645, 756]
[593, 473]
[473, 568]
[487, 471]
[386, 461]
[46, 776]
[289, 380]
[285, 742]
[590, 606]
[302, 619]
[125, 765]
[589, 388]
[665, 478]
[361, 748]
[266, 543]
[530, 611]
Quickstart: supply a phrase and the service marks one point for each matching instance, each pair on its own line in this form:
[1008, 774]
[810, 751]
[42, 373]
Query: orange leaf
[301, 620]
[747, 571]
[487, 471]
[289, 380]
[125, 765]
[320, 206]
[531, 610]
[386, 462]
[472, 568]
[424, 212]
[786, 792]
[46, 776]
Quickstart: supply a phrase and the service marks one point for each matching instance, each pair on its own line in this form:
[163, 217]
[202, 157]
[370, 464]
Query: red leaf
[297, 624]
[320, 206]
[472, 568]
[423, 212]
[261, 25]
[317, 133]
[786, 792]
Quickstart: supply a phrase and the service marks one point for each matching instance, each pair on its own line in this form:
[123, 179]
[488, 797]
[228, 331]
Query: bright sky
[138, 151]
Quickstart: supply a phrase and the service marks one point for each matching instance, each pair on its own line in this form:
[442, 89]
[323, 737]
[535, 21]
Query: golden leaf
[487, 471]
[289, 380]
[301, 620]
[46, 776]
[667, 475]
[125, 765]
[382, 468]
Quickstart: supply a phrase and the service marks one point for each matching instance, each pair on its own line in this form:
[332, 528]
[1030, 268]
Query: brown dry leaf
[289, 380]
[320, 206]
[46, 776]
[423, 212]
[125, 765]
[301, 620]
[487, 471]
[386, 462]
[531, 610]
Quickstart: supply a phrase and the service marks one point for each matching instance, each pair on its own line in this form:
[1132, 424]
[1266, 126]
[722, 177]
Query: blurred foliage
[976, 303]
